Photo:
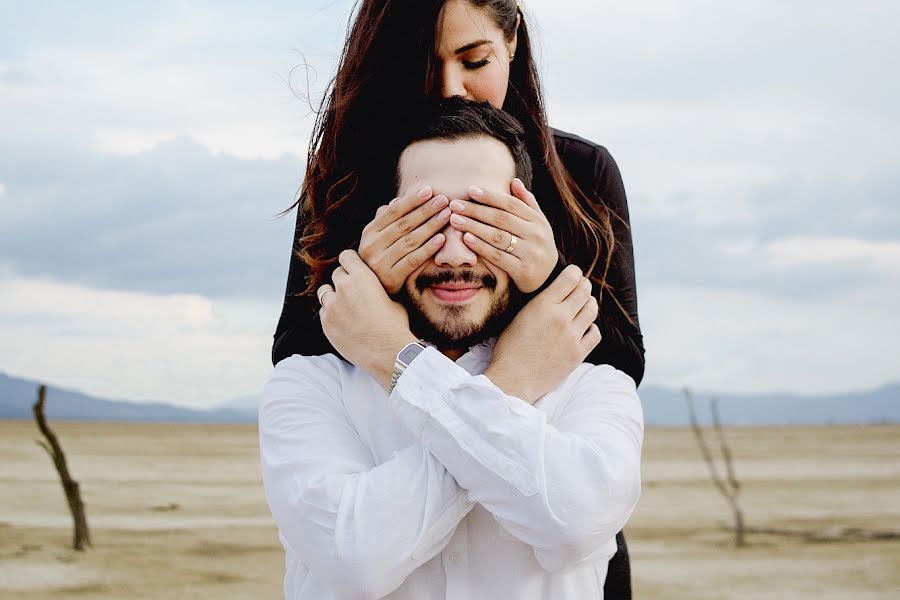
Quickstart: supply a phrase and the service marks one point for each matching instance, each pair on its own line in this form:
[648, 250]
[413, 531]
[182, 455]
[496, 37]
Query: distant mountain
[661, 407]
[668, 407]
[17, 396]
[243, 403]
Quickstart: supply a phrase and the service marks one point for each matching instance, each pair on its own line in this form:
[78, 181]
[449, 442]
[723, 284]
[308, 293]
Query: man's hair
[457, 118]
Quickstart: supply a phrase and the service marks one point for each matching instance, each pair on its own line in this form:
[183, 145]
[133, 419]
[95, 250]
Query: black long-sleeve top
[592, 167]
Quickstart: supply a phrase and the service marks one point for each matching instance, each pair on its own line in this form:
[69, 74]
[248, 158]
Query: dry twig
[82, 535]
[729, 486]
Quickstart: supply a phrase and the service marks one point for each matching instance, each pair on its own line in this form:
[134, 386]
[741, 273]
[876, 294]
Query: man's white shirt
[448, 488]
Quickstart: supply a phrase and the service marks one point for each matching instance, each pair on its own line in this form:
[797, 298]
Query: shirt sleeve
[565, 486]
[363, 527]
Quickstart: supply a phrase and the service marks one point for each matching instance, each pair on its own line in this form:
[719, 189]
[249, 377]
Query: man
[443, 469]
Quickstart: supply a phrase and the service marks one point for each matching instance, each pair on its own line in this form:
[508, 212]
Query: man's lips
[454, 292]
[456, 286]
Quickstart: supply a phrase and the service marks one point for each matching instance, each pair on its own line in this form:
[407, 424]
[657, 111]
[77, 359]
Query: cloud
[12, 76]
[700, 51]
[717, 118]
[754, 341]
[146, 149]
[178, 348]
[850, 224]
[176, 219]
[124, 81]
[802, 251]
[103, 310]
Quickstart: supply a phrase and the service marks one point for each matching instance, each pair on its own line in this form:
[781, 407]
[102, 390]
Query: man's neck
[452, 353]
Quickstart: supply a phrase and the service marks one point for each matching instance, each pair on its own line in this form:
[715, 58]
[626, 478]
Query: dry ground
[177, 511]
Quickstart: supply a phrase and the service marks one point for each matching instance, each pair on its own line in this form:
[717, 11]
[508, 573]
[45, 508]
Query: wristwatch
[404, 357]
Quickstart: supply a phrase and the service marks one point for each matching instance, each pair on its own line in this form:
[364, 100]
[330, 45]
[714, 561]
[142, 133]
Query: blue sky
[146, 148]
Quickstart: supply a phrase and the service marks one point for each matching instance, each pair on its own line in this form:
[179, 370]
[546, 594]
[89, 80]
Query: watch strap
[400, 365]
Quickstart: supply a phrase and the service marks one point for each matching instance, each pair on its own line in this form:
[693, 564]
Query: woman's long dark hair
[387, 72]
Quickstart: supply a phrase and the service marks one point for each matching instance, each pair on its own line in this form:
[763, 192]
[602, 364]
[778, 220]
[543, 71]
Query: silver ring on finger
[323, 289]
[513, 240]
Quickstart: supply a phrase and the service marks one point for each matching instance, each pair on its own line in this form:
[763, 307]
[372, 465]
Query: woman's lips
[455, 294]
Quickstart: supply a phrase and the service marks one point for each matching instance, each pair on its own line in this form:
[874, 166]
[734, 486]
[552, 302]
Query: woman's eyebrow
[474, 44]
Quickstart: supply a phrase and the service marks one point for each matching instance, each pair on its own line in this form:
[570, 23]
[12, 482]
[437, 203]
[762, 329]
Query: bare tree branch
[726, 451]
[81, 534]
[704, 449]
[730, 489]
[44, 445]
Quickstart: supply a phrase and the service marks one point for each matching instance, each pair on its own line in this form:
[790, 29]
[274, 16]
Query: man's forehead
[451, 166]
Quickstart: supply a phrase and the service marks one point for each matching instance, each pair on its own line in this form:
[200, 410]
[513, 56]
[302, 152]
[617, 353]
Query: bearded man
[460, 449]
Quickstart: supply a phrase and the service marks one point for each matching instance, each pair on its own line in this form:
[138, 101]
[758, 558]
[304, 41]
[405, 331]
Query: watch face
[409, 353]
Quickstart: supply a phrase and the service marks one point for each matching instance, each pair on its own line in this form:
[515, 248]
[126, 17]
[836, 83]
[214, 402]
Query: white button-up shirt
[448, 488]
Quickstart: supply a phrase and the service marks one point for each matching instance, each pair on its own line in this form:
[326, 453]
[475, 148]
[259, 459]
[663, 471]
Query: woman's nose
[452, 82]
[455, 253]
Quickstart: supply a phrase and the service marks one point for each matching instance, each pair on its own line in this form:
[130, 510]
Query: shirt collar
[477, 358]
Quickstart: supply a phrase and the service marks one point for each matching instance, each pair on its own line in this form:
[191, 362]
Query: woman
[399, 56]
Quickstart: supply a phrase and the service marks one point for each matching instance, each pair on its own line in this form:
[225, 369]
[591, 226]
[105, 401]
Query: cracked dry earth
[178, 511]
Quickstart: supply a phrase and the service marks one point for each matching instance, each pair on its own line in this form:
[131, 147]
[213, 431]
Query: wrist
[554, 272]
[381, 362]
[510, 383]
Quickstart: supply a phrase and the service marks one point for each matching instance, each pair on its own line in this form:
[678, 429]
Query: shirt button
[454, 556]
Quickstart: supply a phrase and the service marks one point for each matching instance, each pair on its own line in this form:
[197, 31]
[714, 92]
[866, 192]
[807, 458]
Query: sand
[178, 511]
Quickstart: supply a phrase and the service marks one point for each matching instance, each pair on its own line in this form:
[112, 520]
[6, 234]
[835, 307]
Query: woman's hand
[490, 224]
[549, 337]
[361, 321]
[403, 235]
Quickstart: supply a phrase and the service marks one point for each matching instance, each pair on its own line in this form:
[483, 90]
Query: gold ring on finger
[513, 240]
[324, 289]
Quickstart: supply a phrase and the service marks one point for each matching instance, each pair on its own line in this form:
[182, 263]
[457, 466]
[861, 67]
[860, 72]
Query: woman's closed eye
[475, 65]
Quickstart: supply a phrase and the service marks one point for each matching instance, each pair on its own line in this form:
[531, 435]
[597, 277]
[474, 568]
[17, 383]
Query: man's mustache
[486, 280]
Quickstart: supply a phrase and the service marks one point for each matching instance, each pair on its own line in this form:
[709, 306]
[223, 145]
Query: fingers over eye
[408, 222]
[488, 215]
[409, 242]
[495, 237]
[506, 261]
[415, 259]
[501, 201]
[519, 190]
[400, 206]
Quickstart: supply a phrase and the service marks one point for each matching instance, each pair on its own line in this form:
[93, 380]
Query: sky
[147, 148]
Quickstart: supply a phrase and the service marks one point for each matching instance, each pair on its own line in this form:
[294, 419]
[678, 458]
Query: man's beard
[455, 331]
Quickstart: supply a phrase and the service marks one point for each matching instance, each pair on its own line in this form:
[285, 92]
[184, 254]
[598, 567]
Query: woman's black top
[299, 330]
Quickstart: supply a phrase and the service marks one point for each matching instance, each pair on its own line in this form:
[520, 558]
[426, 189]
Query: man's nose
[455, 253]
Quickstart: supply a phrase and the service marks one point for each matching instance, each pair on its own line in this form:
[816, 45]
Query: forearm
[622, 344]
[566, 493]
[368, 531]
[363, 526]
[512, 381]
[381, 357]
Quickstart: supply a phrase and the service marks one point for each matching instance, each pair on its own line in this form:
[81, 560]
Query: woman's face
[473, 57]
